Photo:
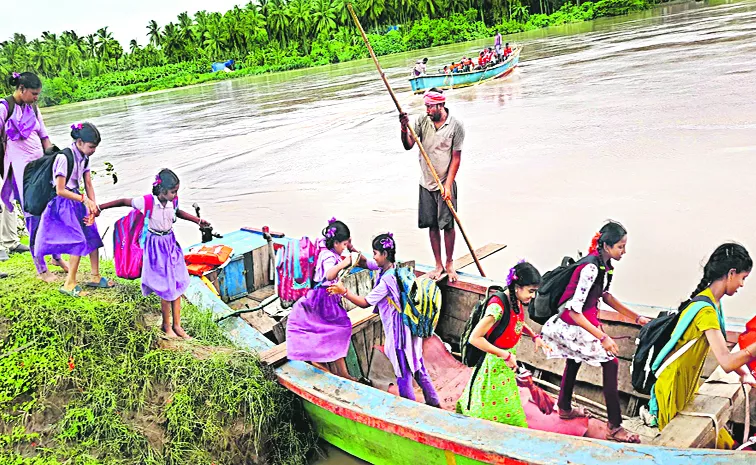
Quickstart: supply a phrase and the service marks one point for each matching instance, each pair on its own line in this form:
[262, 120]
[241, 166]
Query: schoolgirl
[164, 271]
[404, 351]
[575, 334]
[492, 392]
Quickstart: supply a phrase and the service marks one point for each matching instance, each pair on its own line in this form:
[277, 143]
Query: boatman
[442, 136]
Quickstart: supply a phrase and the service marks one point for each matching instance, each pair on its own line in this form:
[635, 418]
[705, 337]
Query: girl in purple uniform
[164, 271]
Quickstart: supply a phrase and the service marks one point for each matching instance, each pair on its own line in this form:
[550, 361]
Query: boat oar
[414, 136]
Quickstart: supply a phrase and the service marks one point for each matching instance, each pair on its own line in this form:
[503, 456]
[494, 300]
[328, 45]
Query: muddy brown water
[648, 119]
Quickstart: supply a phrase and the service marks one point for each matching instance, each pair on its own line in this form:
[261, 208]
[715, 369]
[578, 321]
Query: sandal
[75, 292]
[576, 412]
[104, 284]
[620, 434]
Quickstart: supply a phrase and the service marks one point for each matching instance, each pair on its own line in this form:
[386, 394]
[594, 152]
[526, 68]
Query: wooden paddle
[417, 139]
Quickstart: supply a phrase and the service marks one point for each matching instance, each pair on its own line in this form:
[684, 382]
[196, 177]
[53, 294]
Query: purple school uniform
[164, 270]
[61, 227]
[319, 329]
[404, 351]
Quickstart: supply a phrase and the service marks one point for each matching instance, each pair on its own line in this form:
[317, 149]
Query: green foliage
[84, 381]
[269, 36]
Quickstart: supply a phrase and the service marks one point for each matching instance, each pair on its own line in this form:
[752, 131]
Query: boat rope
[710, 416]
[747, 422]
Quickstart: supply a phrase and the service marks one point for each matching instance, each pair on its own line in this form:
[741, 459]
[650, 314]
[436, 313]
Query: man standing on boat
[442, 136]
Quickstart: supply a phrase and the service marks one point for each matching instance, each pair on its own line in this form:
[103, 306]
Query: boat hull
[456, 80]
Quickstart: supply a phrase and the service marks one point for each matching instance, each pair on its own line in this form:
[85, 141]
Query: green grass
[90, 381]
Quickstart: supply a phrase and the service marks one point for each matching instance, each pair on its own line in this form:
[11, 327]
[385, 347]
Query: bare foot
[48, 277]
[450, 271]
[436, 273]
[168, 331]
[61, 263]
[181, 333]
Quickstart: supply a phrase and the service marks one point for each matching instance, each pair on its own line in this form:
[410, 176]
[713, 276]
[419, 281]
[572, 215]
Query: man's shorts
[433, 211]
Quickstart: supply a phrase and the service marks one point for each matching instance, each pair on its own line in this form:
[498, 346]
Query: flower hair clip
[157, 181]
[330, 233]
[387, 243]
[78, 126]
[594, 243]
[16, 75]
[332, 220]
[512, 276]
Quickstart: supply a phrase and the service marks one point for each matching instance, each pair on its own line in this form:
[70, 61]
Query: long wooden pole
[417, 139]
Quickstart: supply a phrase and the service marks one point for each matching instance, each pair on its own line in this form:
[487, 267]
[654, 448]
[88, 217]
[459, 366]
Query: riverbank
[93, 381]
[341, 47]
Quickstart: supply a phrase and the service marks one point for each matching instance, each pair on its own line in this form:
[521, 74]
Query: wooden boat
[455, 80]
[382, 428]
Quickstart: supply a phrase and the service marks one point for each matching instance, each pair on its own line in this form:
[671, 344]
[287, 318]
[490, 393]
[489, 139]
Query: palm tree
[300, 19]
[278, 19]
[153, 32]
[372, 10]
[104, 44]
[40, 57]
[324, 16]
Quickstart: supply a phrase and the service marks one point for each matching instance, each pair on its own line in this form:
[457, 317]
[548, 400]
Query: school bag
[10, 102]
[545, 304]
[657, 340]
[295, 269]
[471, 355]
[38, 177]
[128, 239]
[420, 301]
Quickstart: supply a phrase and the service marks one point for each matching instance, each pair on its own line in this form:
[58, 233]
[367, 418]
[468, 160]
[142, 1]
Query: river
[648, 119]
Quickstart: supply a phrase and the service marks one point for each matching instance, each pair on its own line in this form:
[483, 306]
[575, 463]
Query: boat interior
[246, 285]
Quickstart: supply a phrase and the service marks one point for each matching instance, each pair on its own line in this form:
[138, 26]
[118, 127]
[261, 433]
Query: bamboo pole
[417, 139]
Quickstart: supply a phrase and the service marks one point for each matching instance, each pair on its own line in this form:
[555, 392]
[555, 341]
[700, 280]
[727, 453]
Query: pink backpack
[128, 240]
[295, 270]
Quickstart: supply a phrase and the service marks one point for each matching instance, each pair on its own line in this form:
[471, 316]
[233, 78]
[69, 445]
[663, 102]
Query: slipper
[104, 284]
[73, 292]
[576, 412]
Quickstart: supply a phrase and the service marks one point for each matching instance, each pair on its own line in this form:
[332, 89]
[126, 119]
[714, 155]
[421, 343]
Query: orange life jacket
[209, 255]
[747, 338]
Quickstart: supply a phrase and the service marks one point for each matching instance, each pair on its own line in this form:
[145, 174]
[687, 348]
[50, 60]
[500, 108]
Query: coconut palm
[324, 16]
[153, 32]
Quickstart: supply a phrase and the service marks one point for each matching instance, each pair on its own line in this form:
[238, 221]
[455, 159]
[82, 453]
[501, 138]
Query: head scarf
[434, 98]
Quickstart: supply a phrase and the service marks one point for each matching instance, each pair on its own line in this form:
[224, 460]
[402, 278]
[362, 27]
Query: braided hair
[523, 274]
[336, 231]
[726, 257]
[609, 234]
[386, 243]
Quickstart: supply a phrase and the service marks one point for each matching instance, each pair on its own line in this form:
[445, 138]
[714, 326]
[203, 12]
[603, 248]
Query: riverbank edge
[93, 380]
[200, 79]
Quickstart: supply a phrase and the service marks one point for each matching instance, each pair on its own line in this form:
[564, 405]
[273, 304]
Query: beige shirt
[163, 216]
[439, 144]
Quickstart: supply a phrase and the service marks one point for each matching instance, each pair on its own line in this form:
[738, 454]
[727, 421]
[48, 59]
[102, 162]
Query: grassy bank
[91, 381]
[132, 76]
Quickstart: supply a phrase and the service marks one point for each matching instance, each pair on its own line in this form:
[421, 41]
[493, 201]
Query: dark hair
[609, 234]
[425, 60]
[340, 233]
[726, 257]
[28, 80]
[378, 244]
[525, 274]
[87, 132]
[168, 180]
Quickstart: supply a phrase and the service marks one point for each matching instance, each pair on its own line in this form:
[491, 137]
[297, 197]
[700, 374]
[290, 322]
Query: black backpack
[11, 103]
[545, 304]
[471, 355]
[38, 177]
[651, 340]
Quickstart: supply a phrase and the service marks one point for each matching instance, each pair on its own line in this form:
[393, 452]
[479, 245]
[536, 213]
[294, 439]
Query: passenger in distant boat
[420, 67]
[447, 70]
[576, 334]
[677, 384]
[319, 330]
[507, 51]
[456, 67]
[493, 58]
[497, 43]
[492, 392]
[404, 351]
[482, 60]
[442, 136]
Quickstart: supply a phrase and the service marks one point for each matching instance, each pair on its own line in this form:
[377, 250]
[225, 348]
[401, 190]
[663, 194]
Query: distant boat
[454, 80]
[227, 66]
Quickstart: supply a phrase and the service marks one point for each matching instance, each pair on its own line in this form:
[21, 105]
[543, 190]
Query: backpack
[471, 355]
[38, 176]
[656, 340]
[295, 269]
[545, 304]
[10, 102]
[420, 298]
[128, 239]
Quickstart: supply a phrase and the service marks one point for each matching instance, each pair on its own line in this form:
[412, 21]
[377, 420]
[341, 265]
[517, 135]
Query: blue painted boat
[455, 80]
[381, 427]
